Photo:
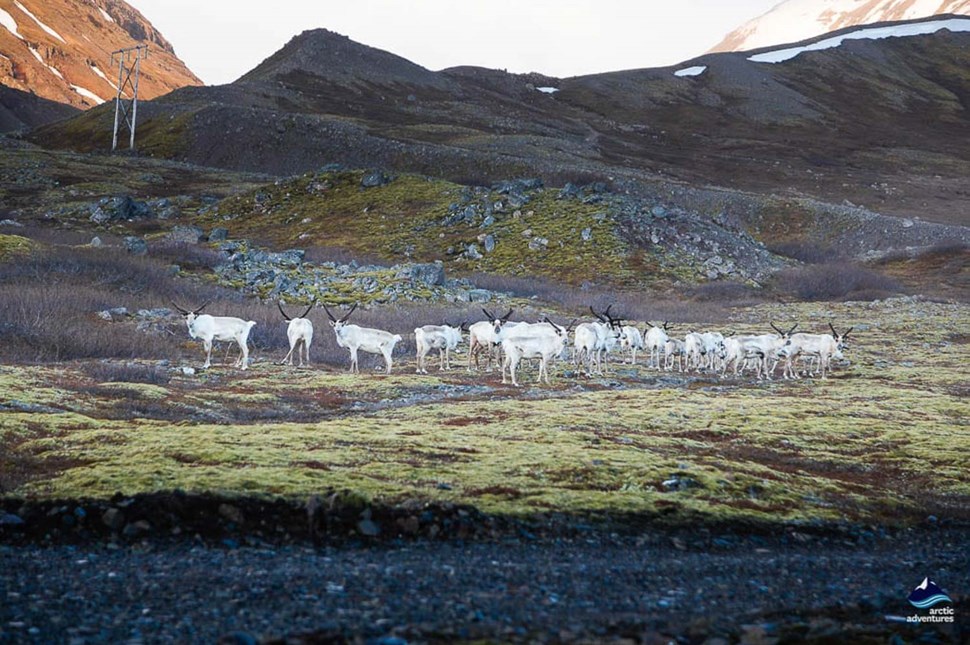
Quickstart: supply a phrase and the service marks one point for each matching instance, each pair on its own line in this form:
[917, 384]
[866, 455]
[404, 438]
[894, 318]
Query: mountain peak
[328, 55]
[797, 20]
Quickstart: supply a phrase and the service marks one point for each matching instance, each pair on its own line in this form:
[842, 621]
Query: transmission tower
[129, 65]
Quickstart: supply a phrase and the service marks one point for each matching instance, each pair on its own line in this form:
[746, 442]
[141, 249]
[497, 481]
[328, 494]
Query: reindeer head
[840, 342]
[190, 316]
[496, 321]
[336, 323]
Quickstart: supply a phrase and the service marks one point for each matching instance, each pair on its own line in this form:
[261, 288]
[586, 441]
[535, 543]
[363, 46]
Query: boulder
[374, 179]
[136, 245]
[186, 234]
[432, 275]
[113, 209]
[218, 234]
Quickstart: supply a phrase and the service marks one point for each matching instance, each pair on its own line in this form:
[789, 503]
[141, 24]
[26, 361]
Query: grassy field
[885, 440]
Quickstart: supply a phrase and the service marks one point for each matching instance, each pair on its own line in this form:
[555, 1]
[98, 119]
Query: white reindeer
[481, 337]
[695, 351]
[545, 341]
[632, 339]
[444, 338]
[655, 341]
[823, 347]
[674, 349]
[763, 349]
[354, 338]
[299, 332]
[209, 328]
[594, 340]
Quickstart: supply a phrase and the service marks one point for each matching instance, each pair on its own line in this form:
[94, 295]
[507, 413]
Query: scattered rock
[218, 234]
[186, 234]
[136, 245]
[114, 209]
[231, 513]
[489, 243]
[472, 252]
[9, 519]
[114, 519]
[368, 527]
[96, 242]
[432, 274]
[587, 234]
[374, 179]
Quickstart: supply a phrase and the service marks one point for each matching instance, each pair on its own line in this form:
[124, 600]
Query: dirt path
[549, 590]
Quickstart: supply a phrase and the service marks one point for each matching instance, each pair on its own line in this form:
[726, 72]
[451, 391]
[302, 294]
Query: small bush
[837, 281]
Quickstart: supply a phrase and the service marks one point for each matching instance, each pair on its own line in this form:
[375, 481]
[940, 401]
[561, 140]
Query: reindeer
[354, 338]
[813, 346]
[444, 338]
[594, 340]
[209, 328]
[298, 331]
[544, 340]
[481, 336]
[655, 341]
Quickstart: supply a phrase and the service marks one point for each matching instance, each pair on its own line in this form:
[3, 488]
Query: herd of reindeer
[498, 338]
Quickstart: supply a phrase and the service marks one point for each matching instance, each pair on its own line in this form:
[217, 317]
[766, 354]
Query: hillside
[876, 123]
[60, 50]
[796, 20]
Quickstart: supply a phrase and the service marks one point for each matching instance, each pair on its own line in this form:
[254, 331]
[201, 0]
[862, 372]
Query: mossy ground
[884, 440]
[404, 220]
[14, 245]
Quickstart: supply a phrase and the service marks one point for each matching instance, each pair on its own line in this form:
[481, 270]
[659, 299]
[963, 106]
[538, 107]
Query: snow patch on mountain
[39, 23]
[9, 23]
[88, 94]
[94, 68]
[873, 33]
[796, 20]
[696, 70]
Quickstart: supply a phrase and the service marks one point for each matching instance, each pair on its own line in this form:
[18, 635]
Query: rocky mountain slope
[796, 20]
[61, 50]
[875, 123]
[23, 110]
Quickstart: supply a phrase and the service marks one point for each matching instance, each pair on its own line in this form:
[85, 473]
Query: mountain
[876, 123]
[795, 20]
[61, 50]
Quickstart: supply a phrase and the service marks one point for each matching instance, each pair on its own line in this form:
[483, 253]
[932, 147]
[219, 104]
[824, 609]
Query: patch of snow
[7, 21]
[697, 70]
[39, 23]
[548, 90]
[88, 94]
[94, 68]
[872, 33]
[106, 15]
[41, 60]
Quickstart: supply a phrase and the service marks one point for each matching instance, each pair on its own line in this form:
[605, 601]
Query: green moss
[404, 220]
[885, 440]
[12, 246]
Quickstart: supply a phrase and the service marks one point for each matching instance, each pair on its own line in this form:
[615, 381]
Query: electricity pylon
[127, 110]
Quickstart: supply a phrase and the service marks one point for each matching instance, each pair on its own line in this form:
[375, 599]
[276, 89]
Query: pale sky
[220, 40]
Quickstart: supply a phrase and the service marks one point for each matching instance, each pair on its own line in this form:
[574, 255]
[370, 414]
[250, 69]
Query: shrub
[835, 281]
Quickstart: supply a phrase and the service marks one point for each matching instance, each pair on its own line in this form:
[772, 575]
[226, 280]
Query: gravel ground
[546, 590]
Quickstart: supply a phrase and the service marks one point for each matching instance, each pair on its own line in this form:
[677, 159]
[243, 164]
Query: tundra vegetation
[101, 391]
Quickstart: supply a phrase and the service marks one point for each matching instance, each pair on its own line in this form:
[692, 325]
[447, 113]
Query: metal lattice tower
[129, 65]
